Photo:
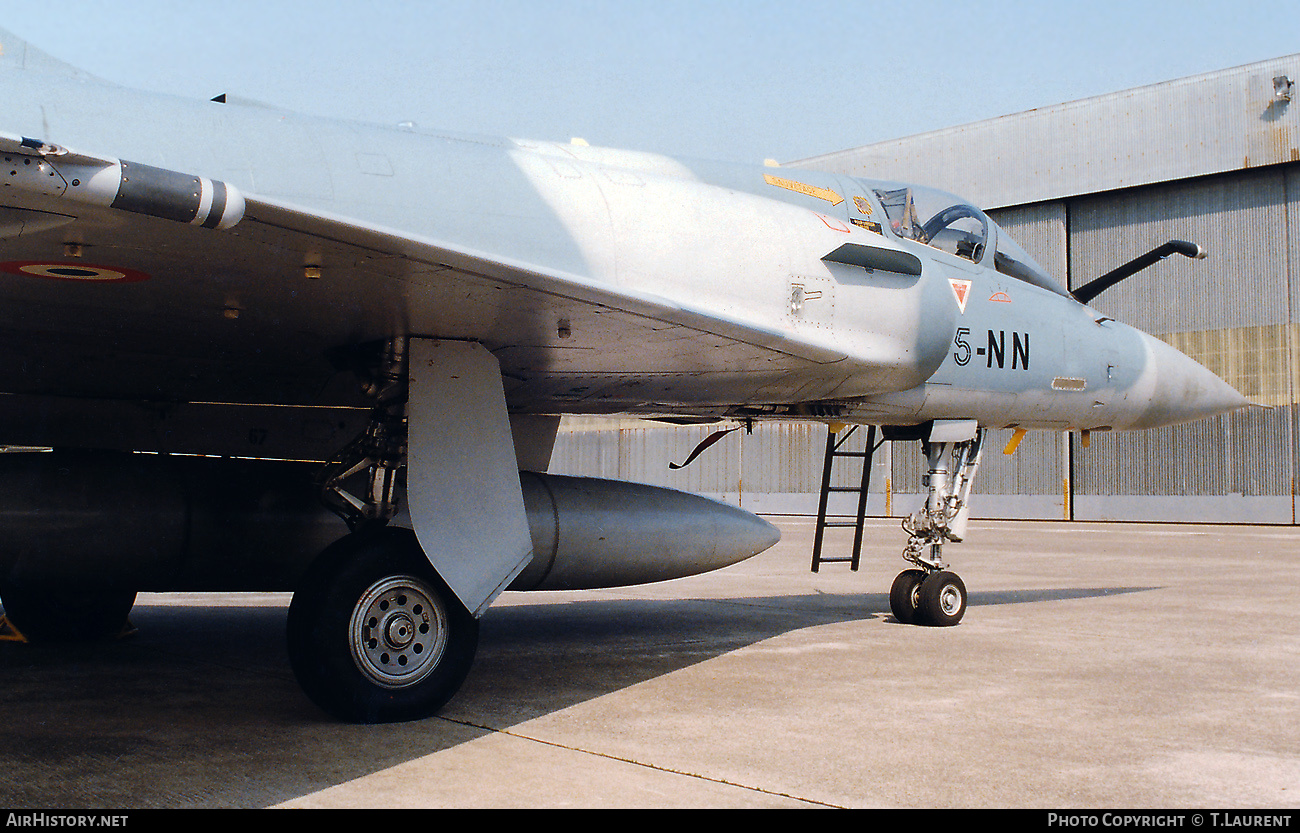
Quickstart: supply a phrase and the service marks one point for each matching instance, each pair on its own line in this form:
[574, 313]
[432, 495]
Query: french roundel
[84, 272]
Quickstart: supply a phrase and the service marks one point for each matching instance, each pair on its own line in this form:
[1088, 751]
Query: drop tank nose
[590, 533]
[1180, 388]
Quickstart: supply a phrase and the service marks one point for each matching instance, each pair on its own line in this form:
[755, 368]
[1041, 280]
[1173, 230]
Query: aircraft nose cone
[1182, 389]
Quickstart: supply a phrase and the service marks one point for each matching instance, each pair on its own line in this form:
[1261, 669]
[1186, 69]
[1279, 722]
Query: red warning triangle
[960, 288]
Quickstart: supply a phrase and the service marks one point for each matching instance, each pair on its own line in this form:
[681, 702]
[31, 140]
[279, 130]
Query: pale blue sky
[740, 81]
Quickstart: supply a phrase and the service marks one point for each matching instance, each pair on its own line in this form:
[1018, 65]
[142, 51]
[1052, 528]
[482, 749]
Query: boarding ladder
[833, 453]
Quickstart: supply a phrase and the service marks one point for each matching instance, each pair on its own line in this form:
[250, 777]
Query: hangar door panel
[1231, 312]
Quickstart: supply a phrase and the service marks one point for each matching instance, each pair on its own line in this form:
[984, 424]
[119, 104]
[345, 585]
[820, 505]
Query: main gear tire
[60, 611]
[374, 635]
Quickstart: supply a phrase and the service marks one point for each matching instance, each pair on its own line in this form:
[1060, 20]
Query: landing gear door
[463, 489]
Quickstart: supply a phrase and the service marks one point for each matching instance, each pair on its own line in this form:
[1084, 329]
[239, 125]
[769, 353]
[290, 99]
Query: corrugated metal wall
[1233, 313]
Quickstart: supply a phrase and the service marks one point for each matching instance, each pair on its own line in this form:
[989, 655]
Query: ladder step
[857, 489]
[848, 454]
[850, 524]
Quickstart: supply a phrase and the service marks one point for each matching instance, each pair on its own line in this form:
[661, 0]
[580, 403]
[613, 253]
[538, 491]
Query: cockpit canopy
[950, 224]
[936, 219]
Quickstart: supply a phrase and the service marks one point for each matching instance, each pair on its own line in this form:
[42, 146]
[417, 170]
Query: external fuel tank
[169, 523]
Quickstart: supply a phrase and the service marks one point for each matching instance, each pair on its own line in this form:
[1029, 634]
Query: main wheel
[942, 599]
[56, 611]
[903, 595]
[374, 635]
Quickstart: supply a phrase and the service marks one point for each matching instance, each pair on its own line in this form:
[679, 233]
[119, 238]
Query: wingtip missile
[51, 170]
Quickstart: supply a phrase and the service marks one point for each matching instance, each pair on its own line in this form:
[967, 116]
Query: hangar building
[1083, 186]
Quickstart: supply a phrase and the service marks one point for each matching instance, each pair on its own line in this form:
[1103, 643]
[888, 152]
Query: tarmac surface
[1098, 666]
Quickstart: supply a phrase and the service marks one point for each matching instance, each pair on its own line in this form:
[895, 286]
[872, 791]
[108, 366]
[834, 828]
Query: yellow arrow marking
[804, 188]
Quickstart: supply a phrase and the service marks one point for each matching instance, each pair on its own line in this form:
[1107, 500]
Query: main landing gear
[64, 611]
[374, 634]
[384, 624]
[929, 593]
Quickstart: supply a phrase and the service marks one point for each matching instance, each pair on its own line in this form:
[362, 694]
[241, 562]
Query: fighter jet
[266, 351]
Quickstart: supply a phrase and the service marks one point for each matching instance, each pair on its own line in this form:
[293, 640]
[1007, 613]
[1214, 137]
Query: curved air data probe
[1093, 288]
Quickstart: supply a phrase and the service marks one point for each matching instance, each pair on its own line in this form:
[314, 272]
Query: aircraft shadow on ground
[200, 708]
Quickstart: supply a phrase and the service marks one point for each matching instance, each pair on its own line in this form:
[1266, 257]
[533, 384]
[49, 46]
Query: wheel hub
[398, 631]
[950, 600]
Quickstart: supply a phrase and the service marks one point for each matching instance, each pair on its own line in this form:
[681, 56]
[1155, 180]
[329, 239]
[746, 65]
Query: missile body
[53, 171]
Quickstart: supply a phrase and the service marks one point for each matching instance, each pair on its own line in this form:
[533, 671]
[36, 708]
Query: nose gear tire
[941, 600]
[903, 596]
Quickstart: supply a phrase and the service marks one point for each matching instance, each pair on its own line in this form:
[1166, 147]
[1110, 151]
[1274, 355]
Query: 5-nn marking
[995, 349]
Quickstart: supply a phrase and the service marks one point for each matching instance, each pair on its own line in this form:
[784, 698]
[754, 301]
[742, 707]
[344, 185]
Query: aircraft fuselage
[749, 246]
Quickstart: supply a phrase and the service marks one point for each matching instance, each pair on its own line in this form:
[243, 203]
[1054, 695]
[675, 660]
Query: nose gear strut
[927, 593]
[946, 511]
[930, 594]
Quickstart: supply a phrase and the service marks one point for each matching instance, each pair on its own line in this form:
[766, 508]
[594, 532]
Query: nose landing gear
[930, 594]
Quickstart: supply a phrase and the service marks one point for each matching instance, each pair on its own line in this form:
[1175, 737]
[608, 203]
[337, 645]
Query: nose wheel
[919, 598]
[927, 593]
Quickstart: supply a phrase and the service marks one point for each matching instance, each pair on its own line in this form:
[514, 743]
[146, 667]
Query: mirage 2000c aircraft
[274, 352]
